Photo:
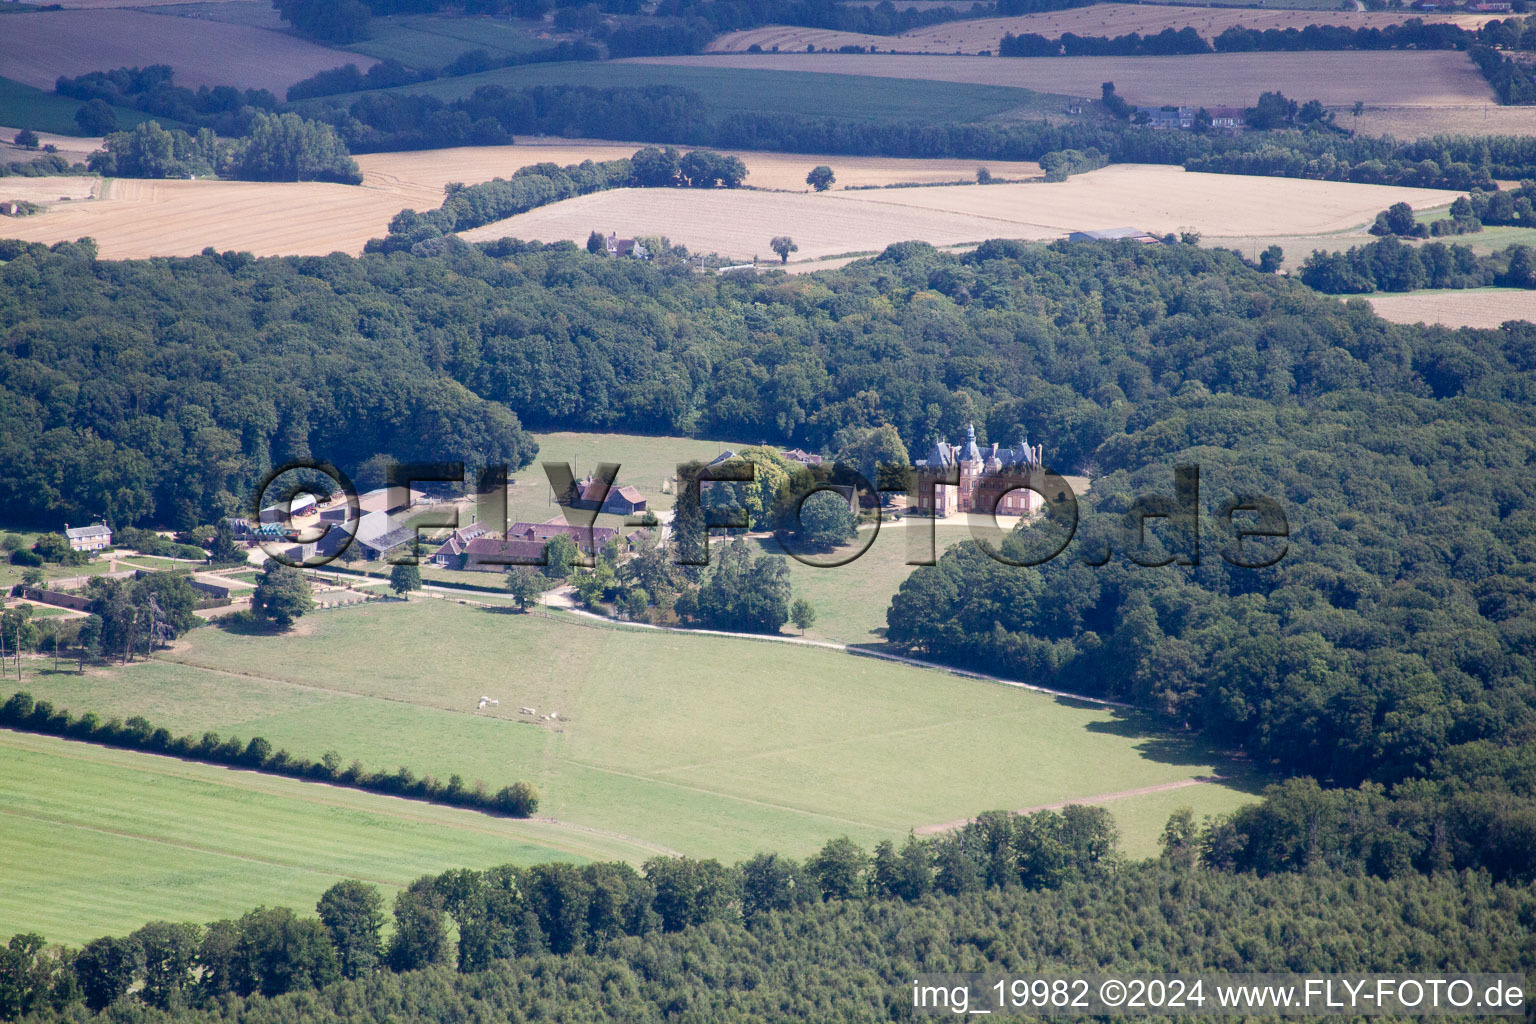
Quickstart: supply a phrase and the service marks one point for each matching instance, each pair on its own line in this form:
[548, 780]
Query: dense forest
[838, 937]
[159, 391]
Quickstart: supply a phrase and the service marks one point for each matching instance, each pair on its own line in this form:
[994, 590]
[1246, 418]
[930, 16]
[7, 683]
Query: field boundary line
[266, 784]
[856, 651]
[1098, 798]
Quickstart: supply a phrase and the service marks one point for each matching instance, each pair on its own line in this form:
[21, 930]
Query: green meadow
[711, 746]
[433, 40]
[98, 841]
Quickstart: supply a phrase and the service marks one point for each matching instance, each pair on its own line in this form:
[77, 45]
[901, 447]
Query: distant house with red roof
[621, 501]
[524, 544]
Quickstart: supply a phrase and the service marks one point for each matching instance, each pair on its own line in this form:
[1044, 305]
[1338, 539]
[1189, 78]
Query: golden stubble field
[1474, 308]
[1388, 78]
[137, 218]
[38, 48]
[1156, 198]
[420, 176]
[133, 218]
[1096, 20]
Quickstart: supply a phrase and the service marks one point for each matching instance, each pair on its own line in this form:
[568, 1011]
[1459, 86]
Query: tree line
[224, 109]
[674, 26]
[469, 921]
[815, 957]
[276, 147]
[1388, 265]
[22, 713]
[1467, 215]
[670, 115]
[1412, 34]
[47, 165]
[389, 74]
[470, 206]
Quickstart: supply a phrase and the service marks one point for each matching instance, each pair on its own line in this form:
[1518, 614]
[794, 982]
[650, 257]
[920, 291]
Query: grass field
[707, 745]
[768, 89]
[433, 40]
[1156, 198]
[26, 106]
[643, 463]
[10, 575]
[850, 600]
[1112, 19]
[1396, 78]
[99, 841]
[41, 47]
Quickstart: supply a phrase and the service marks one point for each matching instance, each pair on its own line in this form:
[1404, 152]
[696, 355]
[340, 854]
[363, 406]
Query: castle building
[989, 478]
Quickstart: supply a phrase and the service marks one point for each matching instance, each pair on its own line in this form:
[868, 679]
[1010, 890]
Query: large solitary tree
[282, 594]
[825, 521]
[821, 178]
[783, 245]
[525, 585]
[404, 578]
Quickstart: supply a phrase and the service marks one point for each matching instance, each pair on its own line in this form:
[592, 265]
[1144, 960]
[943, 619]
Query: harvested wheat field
[1097, 20]
[418, 177]
[1397, 78]
[738, 225]
[39, 48]
[1417, 122]
[72, 148]
[1163, 198]
[139, 218]
[1488, 307]
[134, 218]
[68, 188]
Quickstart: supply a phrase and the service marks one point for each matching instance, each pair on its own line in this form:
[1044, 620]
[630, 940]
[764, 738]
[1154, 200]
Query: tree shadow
[248, 625]
[504, 609]
[1156, 740]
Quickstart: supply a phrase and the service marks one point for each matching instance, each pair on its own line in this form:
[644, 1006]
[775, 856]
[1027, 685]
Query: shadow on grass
[504, 609]
[246, 624]
[1157, 740]
[1154, 738]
